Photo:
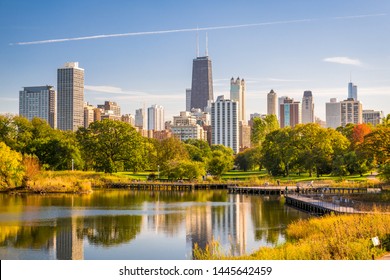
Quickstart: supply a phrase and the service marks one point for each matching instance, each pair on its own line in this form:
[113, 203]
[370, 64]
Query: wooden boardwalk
[170, 186]
[318, 207]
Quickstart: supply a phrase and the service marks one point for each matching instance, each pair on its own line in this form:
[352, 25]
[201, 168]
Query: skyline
[280, 46]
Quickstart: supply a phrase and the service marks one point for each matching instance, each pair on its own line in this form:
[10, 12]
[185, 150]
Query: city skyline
[289, 48]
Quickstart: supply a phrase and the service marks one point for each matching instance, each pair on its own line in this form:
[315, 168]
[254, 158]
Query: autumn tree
[11, 167]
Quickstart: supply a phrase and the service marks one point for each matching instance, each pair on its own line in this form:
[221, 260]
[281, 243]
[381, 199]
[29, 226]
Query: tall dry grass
[344, 237]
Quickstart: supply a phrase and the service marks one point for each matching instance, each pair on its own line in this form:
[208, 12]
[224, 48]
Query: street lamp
[158, 171]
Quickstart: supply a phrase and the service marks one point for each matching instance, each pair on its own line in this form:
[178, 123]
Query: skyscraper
[272, 103]
[202, 83]
[307, 107]
[351, 112]
[188, 100]
[156, 118]
[70, 89]
[237, 93]
[281, 101]
[290, 113]
[352, 91]
[333, 113]
[141, 118]
[39, 102]
[224, 122]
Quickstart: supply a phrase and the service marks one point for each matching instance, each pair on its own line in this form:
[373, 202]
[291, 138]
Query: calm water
[122, 224]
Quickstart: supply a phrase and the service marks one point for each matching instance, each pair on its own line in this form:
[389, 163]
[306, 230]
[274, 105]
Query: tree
[248, 159]
[180, 169]
[107, 145]
[359, 132]
[198, 150]
[261, 127]
[168, 150]
[11, 168]
[222, 160]
[279, 151]
[377, 144]
[318, 146]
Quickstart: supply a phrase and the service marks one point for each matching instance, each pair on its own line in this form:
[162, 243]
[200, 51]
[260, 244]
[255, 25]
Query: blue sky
[301, 45]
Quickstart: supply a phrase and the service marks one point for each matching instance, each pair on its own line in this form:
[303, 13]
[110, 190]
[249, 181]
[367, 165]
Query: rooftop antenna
[197, 41]
[207, 45]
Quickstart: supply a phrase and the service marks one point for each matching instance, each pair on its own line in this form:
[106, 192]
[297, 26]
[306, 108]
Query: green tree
[318, 146]
[107, 145]
[261, 127]
[11, 167]
[279, 151]
[181, 169]
[222, 160]
[198, 150]
[170, 149]
[248, 159]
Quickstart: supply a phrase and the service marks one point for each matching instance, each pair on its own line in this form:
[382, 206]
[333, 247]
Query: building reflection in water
[225, 223]
[68, 244]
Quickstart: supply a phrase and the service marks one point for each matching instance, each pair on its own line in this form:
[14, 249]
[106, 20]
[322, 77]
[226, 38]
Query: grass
[261, 177]
[72, 181]
[84, 181]
[344, 237]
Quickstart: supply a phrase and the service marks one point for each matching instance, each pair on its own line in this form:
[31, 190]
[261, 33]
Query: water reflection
[122, 224]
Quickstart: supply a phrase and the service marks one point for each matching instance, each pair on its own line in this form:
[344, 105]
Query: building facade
[272, 99]
[40, 102]
[188, 99]
[307, 107]
[351, 112]
[372, 117]
[89, 114]
[290, 113]
[224, 123]
[333, 113]
[237, 93]
[352, 91]
[70, 97]
[141, 118]
[202, 83]
[156, 120]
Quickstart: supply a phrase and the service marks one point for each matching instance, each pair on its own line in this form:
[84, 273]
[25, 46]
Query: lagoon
[138, 225]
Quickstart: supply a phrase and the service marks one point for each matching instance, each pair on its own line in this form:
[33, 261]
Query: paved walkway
[386, 257]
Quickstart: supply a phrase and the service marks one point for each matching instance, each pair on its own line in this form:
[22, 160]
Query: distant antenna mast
[207, 45]
[197, 41]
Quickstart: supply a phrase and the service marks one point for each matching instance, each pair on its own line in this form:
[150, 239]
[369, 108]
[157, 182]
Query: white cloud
[343, 60]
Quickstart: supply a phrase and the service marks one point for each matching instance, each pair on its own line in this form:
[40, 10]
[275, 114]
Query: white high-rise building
[272, 103]
[237, 93]
[351, 112]
[70, 97]
[39, 102]
[333, 113]
[224, 122]
[156, 120]
[307, 107]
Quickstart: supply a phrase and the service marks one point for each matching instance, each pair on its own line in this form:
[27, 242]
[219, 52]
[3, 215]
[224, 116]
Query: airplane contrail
[187, 30]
